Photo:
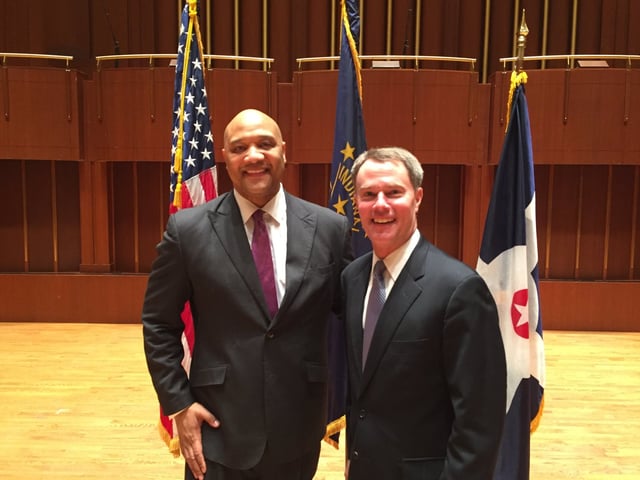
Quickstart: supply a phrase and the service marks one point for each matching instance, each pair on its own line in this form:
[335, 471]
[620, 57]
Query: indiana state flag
[509, 264]
[349, 142]
[349, 137]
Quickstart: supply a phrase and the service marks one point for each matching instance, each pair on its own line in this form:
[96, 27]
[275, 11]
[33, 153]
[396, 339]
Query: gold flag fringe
[335, 427]
[517, 78]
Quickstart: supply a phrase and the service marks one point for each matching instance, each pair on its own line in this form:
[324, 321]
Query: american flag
[193, 170]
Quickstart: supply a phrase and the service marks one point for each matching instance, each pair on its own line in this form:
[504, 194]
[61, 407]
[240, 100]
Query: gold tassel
[333, 428]
[517, 78]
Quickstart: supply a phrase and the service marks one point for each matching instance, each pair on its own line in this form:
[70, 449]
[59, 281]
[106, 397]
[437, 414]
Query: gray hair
[385, 154]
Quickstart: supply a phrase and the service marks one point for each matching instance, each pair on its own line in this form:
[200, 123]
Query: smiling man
[427, 375]
[260, 269]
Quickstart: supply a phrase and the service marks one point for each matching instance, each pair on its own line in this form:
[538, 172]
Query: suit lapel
[357, 288]
[227, 224]
[301, 230]
[404, 293]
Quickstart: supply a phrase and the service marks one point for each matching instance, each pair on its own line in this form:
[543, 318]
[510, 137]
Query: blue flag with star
[349, 138]
[509, 264]
[349, 141]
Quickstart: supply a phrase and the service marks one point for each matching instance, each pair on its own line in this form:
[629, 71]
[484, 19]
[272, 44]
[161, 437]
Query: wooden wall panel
[135, 105]
[402, 20]
[441, 116]
[251, 30]
[597, 138]
[42, 118]
[60, 28]
[318, 31]
[314, 182]
[153, 204]
[560, 27]
[631, 118]
[469, 31]
[130, 27]
[282, 25]
[124, 222]
[591, 306]
[589, 36]
[373, 20]
[87, 28]
[633, 39]
[12, 221]
[431, 35]
[592, 217]
[501, 37]
[562, 242]
[619, 244]
[451, 112]
[64, 298]
[439, 217]
[389, 104]
[230, 91]
[133, 109]
[165, 23]
[39, 216]
[67, 215]
[635, 227]
[544, 203]
[314, 116]
[616, 24]
[564, 127]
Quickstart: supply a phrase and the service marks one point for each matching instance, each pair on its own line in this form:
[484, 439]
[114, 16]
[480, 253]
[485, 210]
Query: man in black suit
[427, 394]
[254, 405]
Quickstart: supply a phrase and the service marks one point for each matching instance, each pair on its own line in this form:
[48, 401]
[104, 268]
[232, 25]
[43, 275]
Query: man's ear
[419, 194]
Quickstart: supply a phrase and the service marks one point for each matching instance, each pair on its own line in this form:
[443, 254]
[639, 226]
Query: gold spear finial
[521, 42]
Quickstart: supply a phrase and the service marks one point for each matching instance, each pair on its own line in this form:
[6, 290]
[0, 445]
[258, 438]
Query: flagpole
[521, 43]
[518, 76]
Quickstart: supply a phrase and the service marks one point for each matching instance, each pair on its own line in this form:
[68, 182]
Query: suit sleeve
[345, 256]
[475, 370]
[167, 291]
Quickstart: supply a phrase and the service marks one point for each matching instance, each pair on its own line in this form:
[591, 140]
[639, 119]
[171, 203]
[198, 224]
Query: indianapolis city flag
[349, 141]
[193, 171]
[508, 263]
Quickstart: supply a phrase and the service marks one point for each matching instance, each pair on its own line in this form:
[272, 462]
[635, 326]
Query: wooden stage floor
[76, 402]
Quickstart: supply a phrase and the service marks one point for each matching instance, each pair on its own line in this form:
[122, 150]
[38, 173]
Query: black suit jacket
[265, 379]
[430, 403]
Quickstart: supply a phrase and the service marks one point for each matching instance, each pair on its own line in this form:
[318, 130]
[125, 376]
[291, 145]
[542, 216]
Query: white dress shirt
[275, 219]
[394, 263]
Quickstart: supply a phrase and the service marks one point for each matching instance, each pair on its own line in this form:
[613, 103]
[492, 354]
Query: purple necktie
[377, 296]
[261, 249]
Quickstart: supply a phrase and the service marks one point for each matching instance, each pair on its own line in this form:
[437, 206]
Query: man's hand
[189, 423]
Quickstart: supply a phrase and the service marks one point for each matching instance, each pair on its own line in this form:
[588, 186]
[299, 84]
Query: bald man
[254, 405]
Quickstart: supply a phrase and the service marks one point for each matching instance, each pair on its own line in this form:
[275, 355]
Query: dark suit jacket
[266, 380]
[430, 403]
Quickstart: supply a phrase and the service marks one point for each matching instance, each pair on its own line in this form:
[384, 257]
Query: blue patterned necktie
[377, 296]
[261, 250]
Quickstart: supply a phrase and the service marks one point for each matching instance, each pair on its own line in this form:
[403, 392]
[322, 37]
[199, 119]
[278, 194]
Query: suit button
[271, 335]
[355, 454]
[362, 414]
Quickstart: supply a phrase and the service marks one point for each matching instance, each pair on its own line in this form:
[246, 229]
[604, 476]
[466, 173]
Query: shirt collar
[396, 260]
[276, 207]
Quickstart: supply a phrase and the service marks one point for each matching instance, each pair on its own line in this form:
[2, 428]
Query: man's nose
[381, 200]
[254, 153]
